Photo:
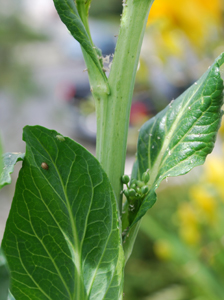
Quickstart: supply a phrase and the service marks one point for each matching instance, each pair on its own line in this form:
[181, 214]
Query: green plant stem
[98, 83]
[98, 80]
[114, 110]
[83, 9]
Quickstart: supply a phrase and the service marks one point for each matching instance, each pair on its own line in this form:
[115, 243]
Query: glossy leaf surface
[62, 238]
[4, 277]
[183, 134]
[9, 161]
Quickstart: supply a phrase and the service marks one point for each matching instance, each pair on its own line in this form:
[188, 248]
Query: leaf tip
[220, 59]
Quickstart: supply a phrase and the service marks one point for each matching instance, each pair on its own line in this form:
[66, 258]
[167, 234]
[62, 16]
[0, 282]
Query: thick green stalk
[114, 111]
[98, 83]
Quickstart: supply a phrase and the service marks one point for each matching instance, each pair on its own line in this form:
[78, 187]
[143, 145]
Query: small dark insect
[44, 166]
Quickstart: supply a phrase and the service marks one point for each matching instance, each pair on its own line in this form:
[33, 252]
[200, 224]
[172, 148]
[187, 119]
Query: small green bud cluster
[136, 189]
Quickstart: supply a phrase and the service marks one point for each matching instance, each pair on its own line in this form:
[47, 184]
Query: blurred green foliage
[16, 76]
[104, 7]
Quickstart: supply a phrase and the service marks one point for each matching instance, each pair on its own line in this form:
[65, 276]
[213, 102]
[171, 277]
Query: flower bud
[145, 177]
[131, 193]
[126, 193]
[140, 183]
[125, 179]
[144, 189]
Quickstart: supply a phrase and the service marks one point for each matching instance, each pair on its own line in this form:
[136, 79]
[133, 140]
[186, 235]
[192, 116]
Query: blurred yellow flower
[162, 249]
[214, 170]
[196, 19]
[205, 203]
[221, 129]
[186, 214]
[190, 235]
[214, 174]
[188, 230]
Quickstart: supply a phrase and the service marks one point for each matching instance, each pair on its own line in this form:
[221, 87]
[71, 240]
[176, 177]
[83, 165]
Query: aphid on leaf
[60, 138]
[44, 166]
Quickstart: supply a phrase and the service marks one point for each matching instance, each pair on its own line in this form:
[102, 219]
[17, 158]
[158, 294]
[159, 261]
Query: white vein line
[115, 274]
[186, 134]
[77, 261]
[105, 248]
[34, 281]
[51, 258]
[90, 205]
[169, 136]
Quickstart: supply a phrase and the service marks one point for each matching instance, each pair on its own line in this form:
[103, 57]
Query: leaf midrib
[157, 164]
[77, 253]
[55, 265]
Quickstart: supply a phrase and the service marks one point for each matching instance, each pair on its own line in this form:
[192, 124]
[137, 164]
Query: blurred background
[179, 253]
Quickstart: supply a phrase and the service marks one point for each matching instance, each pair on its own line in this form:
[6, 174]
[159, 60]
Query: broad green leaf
[9, 160]
[4, 277]
[62, 237]
[69, 15]
[182, 135]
